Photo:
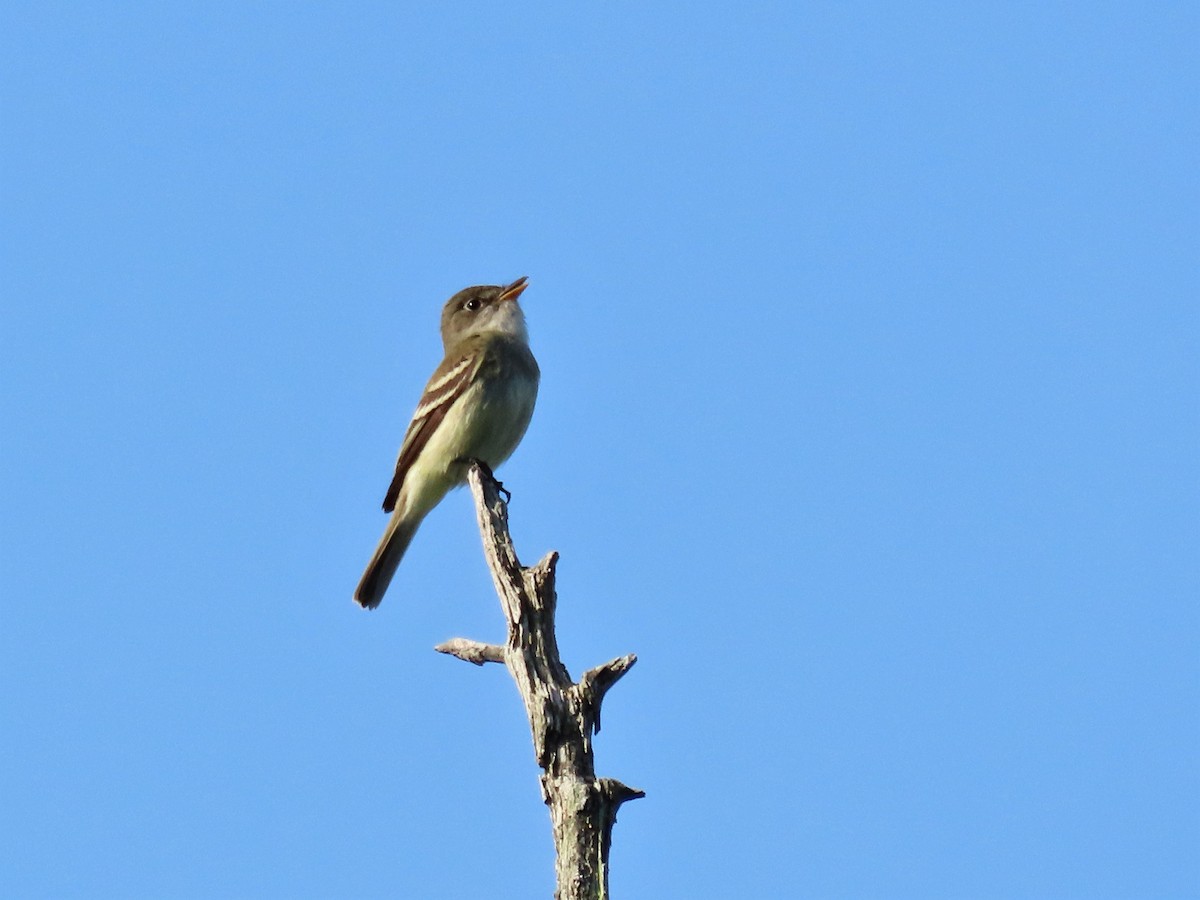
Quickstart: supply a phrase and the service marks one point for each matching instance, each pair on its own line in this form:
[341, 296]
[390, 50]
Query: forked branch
[563, 714]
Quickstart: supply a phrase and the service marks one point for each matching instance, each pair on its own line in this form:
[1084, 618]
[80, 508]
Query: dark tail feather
[382, 567]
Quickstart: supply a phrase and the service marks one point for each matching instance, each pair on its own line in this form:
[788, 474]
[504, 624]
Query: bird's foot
[487, 470]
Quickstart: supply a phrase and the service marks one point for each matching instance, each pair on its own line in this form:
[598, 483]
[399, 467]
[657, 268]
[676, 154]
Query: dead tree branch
[563, 714]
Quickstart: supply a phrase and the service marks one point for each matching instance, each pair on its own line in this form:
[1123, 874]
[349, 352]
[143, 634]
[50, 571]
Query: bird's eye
[471, 305]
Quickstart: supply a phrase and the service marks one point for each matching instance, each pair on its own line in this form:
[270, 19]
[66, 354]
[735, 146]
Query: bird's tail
[382, 567]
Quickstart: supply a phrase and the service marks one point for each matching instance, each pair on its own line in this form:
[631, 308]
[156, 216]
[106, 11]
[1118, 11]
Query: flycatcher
[477, 405]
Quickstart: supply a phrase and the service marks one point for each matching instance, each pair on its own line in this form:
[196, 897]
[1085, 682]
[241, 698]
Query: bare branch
[471, 651]
[563, 715]
[595, 684]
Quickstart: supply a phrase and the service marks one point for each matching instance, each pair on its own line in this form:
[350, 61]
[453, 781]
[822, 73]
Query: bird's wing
[447, 384]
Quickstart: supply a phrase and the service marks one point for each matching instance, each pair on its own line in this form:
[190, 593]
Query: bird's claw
[487, 470]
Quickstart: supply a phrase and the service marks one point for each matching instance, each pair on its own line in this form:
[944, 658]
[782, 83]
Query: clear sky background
[869, 421]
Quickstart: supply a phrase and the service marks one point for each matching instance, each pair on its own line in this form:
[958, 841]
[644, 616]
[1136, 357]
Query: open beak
[513, 291]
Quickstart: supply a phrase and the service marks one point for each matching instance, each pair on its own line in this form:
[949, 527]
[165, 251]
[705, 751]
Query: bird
[476, 406]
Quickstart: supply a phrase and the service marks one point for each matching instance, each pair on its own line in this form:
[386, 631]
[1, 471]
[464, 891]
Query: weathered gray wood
[563, 714]
[470, 651]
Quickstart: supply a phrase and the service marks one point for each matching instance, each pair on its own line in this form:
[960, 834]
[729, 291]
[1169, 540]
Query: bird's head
[482, 309]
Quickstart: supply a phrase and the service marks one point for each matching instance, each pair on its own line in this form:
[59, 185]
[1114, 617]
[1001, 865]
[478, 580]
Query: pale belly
[482, 426]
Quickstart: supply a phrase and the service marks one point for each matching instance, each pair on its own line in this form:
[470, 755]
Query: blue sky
[869, 420]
